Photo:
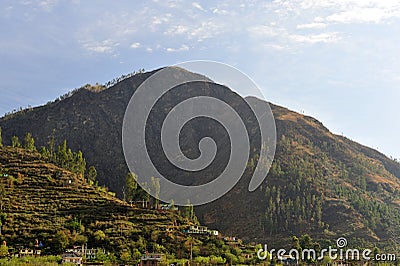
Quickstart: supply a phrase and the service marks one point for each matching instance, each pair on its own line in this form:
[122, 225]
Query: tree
[296, 244]
[1, 139]
[131, 186]
[189, 211]
[156, 185]
[136, 254]
[92, 174]
[306, 242]
[101, 256]
[29, 142]
[99, 236]
[3, 251]
[44, 152]
[75, 226]
[15, 142]
[60, 242]
[217, 260]
[125, 256]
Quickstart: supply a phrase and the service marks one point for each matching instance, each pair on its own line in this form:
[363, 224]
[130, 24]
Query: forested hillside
[320, 183]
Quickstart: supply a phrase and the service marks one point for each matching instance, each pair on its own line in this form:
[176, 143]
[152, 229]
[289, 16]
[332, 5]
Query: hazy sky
[336, 60]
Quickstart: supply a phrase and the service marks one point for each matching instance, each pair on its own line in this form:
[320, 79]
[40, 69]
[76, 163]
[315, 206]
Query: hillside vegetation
[320, 183]
[44, 203]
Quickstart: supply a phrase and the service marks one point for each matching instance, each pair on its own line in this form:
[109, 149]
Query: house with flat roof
[71, 257]
[151, 259]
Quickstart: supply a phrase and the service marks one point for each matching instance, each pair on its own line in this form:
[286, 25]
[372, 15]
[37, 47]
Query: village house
[168, 206]
[151, 259]
[71, 257]
[88, 253]
[29, 252]
[233, 241]
[202, 230]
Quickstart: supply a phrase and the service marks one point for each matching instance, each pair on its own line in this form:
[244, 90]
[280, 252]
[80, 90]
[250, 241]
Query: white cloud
[198, 6]
[220, 11]
[319, 19]
[275, 47]
[105, 46]
[329, 37]
[180, 49]
[314, 25]
[341, 11]
[47, 5]
[206, 30]
[135, 45]
[263, 31]
[176, 29]
[159, 20]
[360, 15]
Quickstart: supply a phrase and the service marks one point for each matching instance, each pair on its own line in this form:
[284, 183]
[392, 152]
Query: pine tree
[91, 174]
[189, 211]
[29, 142]
[15, 142]
[1, 139]
[131, 186]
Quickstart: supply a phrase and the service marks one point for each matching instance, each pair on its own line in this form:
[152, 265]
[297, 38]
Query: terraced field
[39, 199]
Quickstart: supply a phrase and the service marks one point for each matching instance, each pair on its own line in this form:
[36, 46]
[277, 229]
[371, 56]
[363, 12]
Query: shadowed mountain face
[320, 183]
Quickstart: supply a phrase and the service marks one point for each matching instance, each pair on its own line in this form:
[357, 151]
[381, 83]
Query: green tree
[91, 174]
[44, 152]
[60, 242]
[136, 255]
[1, 139]
[217, 260]
[101, 256]
[125, 256]
[3, 251]
[306, 242]
[131, 186]
[79, 239]
[75, 226]
[29, 142]
[15, 142]
[296, 244]
[189, 211]
[99, 236]
[232, 259]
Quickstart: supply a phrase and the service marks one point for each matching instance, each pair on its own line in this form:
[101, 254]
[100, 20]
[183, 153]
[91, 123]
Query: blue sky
[335, 60]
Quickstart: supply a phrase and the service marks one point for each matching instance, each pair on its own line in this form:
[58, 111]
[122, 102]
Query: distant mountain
[320, 183]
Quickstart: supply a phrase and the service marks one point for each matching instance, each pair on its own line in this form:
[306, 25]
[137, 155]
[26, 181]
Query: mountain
[320, 183]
